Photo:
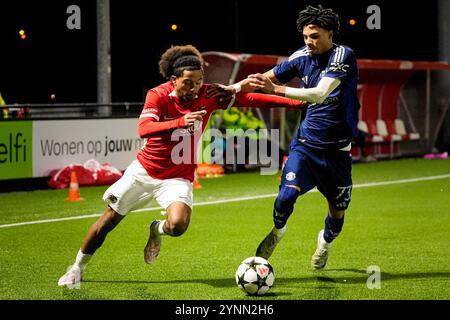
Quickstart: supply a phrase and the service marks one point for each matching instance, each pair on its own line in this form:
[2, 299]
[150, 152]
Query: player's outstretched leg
[284, 205]
[320, 256]
[73, 277]
[153, 246]
[92, 241]
[178, 217]
[267, 246]
[333, 227]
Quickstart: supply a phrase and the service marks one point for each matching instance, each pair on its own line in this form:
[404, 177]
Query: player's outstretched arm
[245, 85]
[261, 100]
[313, 95]
[220, 90]
[150, 125]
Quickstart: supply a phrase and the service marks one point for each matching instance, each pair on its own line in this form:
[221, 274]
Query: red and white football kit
[163, 113]
[154, 174]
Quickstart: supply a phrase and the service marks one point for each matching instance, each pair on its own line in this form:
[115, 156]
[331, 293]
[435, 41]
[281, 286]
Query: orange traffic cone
[195, 183]
[74, 189]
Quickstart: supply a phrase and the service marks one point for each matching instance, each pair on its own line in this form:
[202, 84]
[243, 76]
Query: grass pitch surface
[400, 228]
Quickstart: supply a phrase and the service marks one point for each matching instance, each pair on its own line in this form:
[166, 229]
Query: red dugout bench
[379, 91]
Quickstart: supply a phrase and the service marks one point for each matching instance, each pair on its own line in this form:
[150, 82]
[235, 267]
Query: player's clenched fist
[191, 117]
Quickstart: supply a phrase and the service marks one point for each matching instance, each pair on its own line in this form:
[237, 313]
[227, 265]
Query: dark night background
[54, 59]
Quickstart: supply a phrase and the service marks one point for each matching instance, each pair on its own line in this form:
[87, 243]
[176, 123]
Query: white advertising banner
[57, 143]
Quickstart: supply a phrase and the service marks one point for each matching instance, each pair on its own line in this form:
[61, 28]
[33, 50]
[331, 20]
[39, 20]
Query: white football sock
[279, 232]
[161, 227]
[82, 259]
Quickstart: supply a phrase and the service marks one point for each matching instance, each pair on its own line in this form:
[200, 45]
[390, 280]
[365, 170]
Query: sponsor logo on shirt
[188, 131]
[338, 67]
[331, 100]
[150, 110]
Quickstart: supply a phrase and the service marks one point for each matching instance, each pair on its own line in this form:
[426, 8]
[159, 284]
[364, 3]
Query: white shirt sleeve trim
[149, 115]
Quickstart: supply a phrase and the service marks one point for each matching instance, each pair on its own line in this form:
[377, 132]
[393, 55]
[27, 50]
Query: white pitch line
[205, 203]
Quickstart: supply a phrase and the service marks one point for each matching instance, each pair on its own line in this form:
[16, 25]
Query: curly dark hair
[324, 18]
[179, 58]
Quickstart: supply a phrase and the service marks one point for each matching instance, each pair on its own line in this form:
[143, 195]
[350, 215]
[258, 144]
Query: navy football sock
[333, 227]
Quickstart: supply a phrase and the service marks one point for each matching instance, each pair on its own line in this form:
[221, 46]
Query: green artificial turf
[401, 228]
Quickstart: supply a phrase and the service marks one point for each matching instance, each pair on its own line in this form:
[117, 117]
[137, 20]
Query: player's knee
[104, 226]
[335, 213]
[178, 217]
[284, 205]
[339, 205]
[107, 226]
[286, 199]
[108, 221]
[178, 228]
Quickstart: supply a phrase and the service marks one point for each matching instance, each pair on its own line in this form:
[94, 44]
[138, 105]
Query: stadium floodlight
[22, 34]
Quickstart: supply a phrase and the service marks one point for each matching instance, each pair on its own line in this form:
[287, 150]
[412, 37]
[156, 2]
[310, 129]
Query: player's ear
[173, 79]
[330, 34]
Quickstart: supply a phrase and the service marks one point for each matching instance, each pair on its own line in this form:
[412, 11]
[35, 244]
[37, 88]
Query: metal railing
[44, 111]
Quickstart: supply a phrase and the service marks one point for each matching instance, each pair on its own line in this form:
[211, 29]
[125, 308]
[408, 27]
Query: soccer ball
[255, 276]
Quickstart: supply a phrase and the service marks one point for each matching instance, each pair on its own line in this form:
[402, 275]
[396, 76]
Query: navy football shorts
[328, 170]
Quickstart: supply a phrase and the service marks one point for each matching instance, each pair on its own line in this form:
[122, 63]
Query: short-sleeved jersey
[162, 104]
[332, 123]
